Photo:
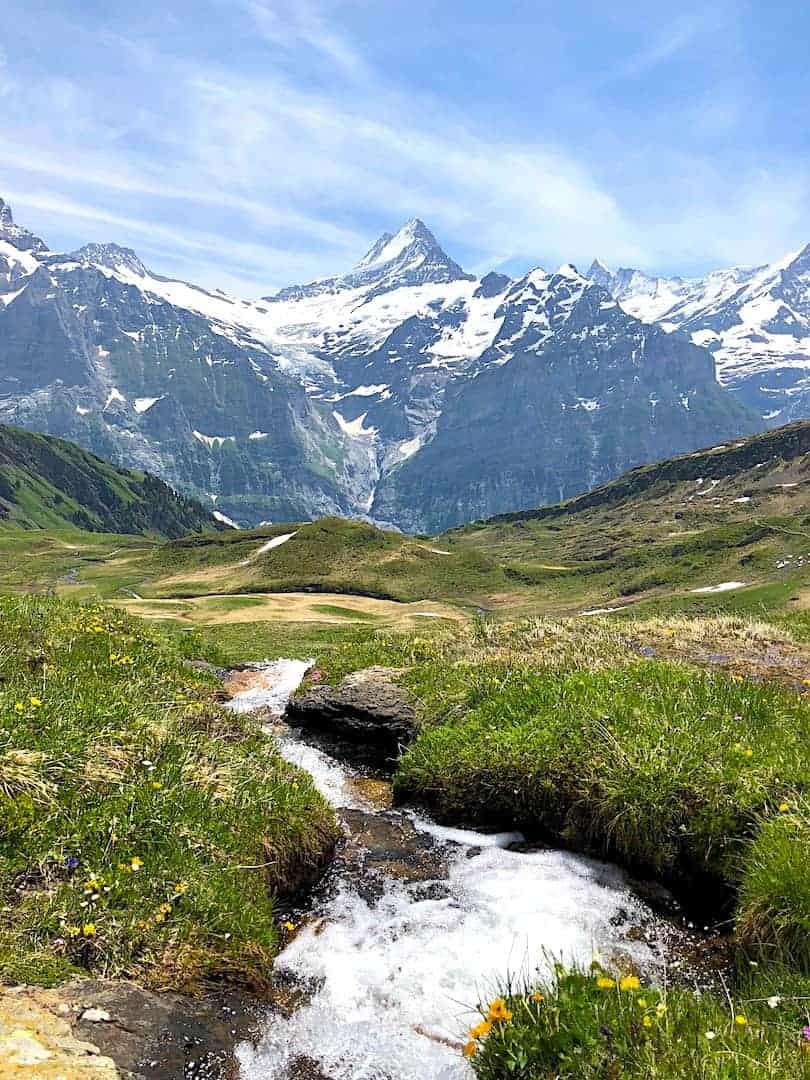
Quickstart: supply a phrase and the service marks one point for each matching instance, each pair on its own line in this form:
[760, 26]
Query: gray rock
[367, 708]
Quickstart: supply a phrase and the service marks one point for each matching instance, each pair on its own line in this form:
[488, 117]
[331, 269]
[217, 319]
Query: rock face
[405, 390]
[100, 1029]
[367, 709]
[755, 322]
[36, 1040]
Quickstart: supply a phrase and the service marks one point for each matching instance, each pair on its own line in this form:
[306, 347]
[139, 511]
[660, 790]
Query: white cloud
[296, 23]
[258, 175]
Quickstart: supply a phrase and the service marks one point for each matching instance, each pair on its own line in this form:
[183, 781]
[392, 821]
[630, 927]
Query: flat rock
[37, 1040]
[102, 1029]
[367, 708]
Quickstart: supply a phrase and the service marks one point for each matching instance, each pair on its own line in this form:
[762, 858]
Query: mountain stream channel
[414, 923]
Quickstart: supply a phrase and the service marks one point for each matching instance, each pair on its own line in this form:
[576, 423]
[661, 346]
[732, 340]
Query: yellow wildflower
[629, 982]
[35, 702]
[498, 1010]
[660, 1008]
[481, 1029]
[159, 917]
[748, 752]
[288, 926]
[19, 707]
[136, 863]
[605, 983]
[647, 1022]
[156, 785]
[737, 678]
[89, 929]
[538, 997]
[784, 807]
[165, 908]
[73, 931]
[469, 1049]
[740, 1020]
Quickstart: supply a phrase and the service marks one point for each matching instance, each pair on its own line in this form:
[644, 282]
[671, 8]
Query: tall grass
[143, 830]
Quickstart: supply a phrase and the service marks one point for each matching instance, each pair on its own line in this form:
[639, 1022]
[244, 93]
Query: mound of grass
[659, 766]
[143, 829]
[594, 1026]
[773, 916]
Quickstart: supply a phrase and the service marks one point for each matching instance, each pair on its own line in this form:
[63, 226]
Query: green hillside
[739, 512]
[48, 483]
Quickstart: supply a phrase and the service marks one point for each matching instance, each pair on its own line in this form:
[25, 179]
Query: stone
[33, 1036]
[96, 1016]
[368, 709]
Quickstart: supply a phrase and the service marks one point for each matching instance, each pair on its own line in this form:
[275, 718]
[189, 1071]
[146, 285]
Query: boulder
[368, 709]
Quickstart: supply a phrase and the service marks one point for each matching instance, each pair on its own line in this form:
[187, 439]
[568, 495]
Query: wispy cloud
[283, 163]
[292, 24]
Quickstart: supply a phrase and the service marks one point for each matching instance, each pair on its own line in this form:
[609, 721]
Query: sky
[249, 144]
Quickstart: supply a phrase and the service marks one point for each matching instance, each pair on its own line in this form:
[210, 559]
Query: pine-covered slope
[47, 483]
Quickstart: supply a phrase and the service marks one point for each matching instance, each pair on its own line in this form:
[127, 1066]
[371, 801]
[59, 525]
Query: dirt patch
[288, 607]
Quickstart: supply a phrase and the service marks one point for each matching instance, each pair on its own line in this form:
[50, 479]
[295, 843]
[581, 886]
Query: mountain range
[405, 391]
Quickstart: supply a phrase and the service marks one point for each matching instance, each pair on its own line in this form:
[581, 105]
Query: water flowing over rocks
[414, 922]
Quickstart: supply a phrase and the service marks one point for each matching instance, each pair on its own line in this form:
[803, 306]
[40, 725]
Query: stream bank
[413, 923]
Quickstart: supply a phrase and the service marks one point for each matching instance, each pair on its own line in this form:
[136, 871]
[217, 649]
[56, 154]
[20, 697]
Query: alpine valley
[406, 391]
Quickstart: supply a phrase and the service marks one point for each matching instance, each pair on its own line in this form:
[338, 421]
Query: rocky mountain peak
[600, 273]
[16, 235]
[410, 256]
[112, 256]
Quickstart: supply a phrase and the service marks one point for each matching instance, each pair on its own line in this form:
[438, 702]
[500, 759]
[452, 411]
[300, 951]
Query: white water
[397, 981]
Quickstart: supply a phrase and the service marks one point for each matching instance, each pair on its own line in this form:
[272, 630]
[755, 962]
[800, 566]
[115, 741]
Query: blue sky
[248, 144]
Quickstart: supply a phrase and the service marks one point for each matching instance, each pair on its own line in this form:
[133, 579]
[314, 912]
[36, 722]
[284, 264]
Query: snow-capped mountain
[405, 389]
[756, 323]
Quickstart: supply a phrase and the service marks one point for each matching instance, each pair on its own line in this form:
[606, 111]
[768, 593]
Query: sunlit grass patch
[597, 1024]
[773, 917]
[661, 766]
[143, 829]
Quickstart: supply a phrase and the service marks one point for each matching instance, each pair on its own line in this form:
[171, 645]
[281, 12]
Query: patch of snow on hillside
[409, 448]
[724, 586]
[225, 519]
[366, 391]
[213, 440]
[114, 395]
[81, 410]
[254, 435]
[355, 429]
[276, 541]
[144, 404]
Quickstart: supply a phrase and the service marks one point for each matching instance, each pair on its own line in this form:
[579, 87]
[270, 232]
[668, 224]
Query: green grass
[773, 915]
[592, 1026]
[344, 612]
[656, 765]
[143, 829]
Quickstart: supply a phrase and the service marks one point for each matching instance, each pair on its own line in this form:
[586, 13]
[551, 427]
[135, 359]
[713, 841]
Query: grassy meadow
[143, 830]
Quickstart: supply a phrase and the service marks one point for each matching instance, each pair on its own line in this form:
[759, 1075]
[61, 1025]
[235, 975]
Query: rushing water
[415, 924]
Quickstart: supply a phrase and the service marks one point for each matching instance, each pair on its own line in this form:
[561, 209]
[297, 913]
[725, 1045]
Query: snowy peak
[411, 256]
[121, 260]
[600, 273]
[16, 235]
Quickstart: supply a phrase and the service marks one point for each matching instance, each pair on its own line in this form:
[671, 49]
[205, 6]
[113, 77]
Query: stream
[414, 924]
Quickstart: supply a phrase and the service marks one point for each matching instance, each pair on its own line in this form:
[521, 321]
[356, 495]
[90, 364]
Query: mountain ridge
[49, 483]
[373, 394]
